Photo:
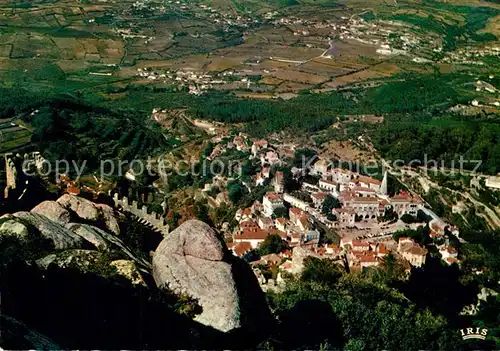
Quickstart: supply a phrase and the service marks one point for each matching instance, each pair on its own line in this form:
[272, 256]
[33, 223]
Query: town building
[312, 235]
[340, 175]
[240, 249]
[271, 202]
[328, 185]
[296, 202]
[318, 199]
[266, 223]
[279, 182]
[320, 168]
[404, 203]
[280, 224]
[368, 182]
[346, 216]
[365, 207]
[412, 252]
[447, 252]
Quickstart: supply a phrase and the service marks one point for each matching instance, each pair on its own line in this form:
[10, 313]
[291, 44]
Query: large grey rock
[61, 237]
[191, 260]
[106, 241]
[84, 208]
[53, 211]
[110, 218]
[91, 234]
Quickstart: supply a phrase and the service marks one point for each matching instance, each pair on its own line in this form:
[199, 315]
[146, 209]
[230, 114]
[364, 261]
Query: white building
[295, 202]
[404, 203]
[328, 185]
[271, 202]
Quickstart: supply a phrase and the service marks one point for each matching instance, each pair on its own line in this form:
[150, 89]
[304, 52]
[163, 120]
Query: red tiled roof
[381, 249]
[359, 243]
[281, 220]
[365, 199]
[347, 210]
[414, 249]
[363, 189]
[303, 220]
[367, 259]
[369, 180]
[273, 196]
[242, 248]
[248, 224]
[340, 170]
[73, 190]
[417, 250]
[404, 196]
[319, 196]
[257, 234]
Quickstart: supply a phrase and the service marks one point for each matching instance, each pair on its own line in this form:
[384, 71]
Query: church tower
[383, 187]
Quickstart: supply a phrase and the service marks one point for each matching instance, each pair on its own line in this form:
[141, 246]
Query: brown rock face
[53, 211]
[192, 260]
[82, 207]
[88, 210]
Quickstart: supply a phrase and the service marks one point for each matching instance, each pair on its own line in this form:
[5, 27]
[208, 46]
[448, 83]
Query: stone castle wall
[154, 219]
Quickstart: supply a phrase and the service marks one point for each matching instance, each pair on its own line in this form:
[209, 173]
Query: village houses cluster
[299, 219]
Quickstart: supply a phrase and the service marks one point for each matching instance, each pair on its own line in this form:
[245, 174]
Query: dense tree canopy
[272, 244]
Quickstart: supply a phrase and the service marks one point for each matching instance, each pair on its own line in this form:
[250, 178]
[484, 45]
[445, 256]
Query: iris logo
[474, 333]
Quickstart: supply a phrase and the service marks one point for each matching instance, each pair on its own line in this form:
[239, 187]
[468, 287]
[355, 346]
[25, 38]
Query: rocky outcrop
[191, 260]
[128, 269]
[92, 234]
[61, 237]
[83, 260]
[83, 208]
[14, 227]
[53, 211]
[18, 336]
[105, 241]
[87, 210]
[110, 218]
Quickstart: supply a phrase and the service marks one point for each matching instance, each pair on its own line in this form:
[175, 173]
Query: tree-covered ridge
[65, 129]
[414, 108]
[355, 313]
[312, 112]
[446, 139]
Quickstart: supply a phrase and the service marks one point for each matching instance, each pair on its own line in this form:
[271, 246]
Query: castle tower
[383, 187]
[11, 175]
